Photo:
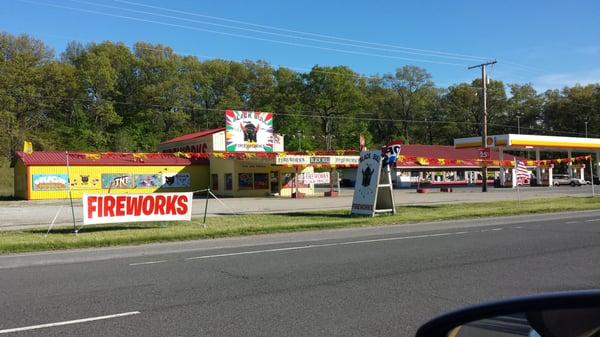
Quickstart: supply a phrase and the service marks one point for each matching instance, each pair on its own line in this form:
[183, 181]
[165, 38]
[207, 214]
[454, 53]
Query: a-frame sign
[373, 190]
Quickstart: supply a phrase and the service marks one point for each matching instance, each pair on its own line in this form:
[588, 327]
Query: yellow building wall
[20, 179]
[219, 168]
[88, 179]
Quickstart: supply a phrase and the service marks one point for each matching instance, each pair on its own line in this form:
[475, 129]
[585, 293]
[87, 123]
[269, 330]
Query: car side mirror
[564, 314]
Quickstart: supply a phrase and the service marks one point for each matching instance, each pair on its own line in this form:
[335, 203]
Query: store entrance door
[274, 182]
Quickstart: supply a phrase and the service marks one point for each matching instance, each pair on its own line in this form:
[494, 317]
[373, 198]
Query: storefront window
[215, 181]
[228, 181]
[261, 181]
[246, 181]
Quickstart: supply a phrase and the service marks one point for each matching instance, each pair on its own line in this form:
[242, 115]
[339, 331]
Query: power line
[274, 34]
[303, 32]
[309, 114]
[244, 36]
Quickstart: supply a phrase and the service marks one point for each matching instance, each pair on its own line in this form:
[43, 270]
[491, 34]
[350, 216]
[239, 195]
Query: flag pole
[70, 194]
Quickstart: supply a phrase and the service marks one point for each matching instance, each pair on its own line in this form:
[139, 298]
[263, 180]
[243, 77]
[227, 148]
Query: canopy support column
[538, 169]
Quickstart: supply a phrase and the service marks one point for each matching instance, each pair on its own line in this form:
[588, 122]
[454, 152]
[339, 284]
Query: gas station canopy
[519, 142]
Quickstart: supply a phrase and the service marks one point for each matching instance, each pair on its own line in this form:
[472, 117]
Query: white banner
[113, 208]
[315, 178]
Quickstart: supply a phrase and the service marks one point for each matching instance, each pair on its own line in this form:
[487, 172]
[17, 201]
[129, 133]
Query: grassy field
[131, 234]
[6, 179]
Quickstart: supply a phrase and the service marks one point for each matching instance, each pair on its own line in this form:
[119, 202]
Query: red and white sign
[315, 178]
[113, 208]
[484, 153]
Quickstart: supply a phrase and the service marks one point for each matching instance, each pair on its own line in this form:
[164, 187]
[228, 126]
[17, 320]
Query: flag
[521, 171]
[27, 147]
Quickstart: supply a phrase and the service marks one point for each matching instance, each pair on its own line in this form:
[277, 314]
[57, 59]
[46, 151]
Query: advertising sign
[249, 131]
[367, 179]
[484, 153]
[147, 180]
[315, 178]
[176, 180]
[49, 182]
[114, 208]
[116, 180]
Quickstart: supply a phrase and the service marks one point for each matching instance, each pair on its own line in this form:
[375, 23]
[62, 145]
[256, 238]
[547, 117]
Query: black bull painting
[250, 130]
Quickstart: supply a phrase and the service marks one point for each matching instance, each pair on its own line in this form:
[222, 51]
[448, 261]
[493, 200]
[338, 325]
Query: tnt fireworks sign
[114, 208]
[249, 131]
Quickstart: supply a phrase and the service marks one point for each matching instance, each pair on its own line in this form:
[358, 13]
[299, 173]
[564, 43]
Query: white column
[502, 169]
[582, 171]
[570, 164]
[514, 177]
[538, 169]
[550, 182]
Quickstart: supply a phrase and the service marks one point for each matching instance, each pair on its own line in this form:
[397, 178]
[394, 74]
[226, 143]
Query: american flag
[521, 170]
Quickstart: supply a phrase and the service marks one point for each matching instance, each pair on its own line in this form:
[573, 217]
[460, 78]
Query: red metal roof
[105, 159]
[193, 135]
[447, 152]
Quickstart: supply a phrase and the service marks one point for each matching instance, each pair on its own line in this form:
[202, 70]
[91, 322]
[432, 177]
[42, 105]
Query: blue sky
[548, 43]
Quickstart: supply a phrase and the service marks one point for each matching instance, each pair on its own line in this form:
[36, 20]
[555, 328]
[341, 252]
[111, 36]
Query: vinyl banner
[315, 178]
[248, 131]
[114, 208]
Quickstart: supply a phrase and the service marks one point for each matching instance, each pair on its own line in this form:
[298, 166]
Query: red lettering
[100, 208]
[134, 205]
[160, 204]
[182, 203]
[109, 206]
[170, 206]
[91, 205]
[148, 206]
[120, 209]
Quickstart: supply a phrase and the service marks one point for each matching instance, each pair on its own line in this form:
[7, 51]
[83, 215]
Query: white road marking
[496, 229]
[571, 222]
[325, 245]
[592, 220]
[83, 320]
[149, 262]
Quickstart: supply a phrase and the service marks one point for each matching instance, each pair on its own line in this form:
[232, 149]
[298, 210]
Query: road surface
[382, 281]
[20, 214]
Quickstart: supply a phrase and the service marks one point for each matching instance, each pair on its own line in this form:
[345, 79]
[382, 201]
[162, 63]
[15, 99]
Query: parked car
[564, 179]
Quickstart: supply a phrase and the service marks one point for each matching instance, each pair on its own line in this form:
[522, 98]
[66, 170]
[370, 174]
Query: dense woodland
[109, 97]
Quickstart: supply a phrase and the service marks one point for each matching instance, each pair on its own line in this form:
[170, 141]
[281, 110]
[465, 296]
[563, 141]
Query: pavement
[381, 281]
[22, 214]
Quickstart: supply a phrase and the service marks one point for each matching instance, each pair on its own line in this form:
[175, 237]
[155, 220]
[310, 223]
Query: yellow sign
[27, 147]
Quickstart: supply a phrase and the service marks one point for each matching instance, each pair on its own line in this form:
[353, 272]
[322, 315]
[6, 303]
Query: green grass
[131, 234]
[6, 179]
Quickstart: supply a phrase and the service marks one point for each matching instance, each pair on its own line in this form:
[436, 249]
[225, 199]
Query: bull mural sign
[249, 131]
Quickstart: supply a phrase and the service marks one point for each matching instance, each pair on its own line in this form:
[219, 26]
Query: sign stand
[373, 191]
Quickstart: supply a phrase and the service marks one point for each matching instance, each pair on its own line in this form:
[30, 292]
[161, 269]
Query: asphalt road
[382, 281]
[21, 214]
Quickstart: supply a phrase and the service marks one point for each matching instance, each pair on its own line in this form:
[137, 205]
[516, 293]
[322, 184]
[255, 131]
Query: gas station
[543, 170]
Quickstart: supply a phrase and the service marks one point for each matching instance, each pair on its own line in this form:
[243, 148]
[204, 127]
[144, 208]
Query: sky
[550, 44]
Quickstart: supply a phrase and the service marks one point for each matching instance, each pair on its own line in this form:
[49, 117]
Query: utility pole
[519, 124]
[586, 129]
[484, 108]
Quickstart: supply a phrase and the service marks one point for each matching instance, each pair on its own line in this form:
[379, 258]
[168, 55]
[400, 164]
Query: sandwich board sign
[373, 190]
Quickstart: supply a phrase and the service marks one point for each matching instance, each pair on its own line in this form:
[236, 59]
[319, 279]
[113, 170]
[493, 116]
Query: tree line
[110, 97]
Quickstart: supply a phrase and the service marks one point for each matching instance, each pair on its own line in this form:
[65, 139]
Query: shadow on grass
[102, 228]
[313, 214]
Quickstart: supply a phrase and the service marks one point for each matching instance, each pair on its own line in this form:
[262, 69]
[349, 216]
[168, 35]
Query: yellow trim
[467, 145]
[555, 144]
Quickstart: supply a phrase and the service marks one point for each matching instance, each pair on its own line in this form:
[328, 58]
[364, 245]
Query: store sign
[176, 180]
[484, 153]
[249, 131]
[115, 208]
[117, 181]
[367, 177]
[316, 160]
[320, 160]
[315, 178]
[49, 182]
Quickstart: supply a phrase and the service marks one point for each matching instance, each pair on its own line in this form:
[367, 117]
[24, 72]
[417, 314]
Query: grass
[6, 180]
[132, 234]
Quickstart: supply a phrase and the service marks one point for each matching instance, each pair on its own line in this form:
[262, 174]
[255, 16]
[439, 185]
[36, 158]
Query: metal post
[519, 124]
[206, 206]
[484, 108]
[70, 194]
[592, 176]
[586, 129]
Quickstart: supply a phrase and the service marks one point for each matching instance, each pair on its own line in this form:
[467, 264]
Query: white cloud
[561, 80]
